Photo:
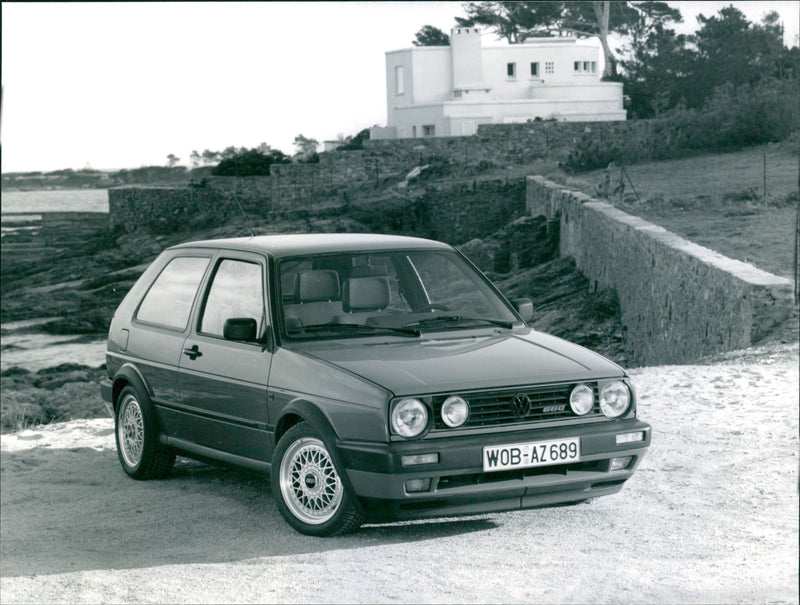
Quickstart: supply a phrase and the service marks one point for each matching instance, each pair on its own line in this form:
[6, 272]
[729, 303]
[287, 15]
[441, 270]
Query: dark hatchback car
[374, 377]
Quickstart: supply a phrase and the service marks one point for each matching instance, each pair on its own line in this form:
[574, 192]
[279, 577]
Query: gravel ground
[711, 516]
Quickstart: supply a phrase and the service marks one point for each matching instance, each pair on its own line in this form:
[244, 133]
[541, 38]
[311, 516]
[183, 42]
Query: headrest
[365, 294]
[314, 286]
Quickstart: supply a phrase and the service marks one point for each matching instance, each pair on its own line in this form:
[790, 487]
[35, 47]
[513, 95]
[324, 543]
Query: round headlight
[581, 400]
[409, 417]
[615, 397]
[455, 411]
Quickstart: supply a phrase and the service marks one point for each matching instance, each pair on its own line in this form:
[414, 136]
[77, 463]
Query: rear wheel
[307, 487]
[140, 454]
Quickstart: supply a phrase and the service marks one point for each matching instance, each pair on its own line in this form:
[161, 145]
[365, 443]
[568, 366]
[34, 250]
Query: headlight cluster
[410, 417]
[615, 399]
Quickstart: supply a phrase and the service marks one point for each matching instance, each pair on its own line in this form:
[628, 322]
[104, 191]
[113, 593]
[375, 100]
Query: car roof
[317, 243]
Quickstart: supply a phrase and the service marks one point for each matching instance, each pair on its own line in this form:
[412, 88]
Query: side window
[168, 302]
[237, 290]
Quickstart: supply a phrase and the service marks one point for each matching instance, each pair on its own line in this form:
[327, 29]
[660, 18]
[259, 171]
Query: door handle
[193, 353]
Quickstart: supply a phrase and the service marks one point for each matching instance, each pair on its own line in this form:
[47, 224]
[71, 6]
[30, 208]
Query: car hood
[458, 362]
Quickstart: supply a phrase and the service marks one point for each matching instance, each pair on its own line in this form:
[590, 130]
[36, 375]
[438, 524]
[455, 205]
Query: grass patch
[718, 201]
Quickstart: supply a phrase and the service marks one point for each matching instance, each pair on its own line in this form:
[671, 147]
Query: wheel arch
[128, 375]
[301, 410]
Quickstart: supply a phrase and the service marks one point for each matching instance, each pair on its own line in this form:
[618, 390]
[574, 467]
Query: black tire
[307, 487]
[136, 431]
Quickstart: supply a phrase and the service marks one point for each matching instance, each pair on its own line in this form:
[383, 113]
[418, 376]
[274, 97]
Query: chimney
[467, 57]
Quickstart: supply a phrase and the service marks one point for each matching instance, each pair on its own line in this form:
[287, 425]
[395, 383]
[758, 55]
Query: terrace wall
[679, 301]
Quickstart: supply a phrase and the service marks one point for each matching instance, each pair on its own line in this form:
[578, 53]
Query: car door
[223, 383]
[160, 325]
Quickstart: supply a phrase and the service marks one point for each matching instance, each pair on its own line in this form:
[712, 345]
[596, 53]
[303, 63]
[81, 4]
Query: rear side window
[168, 303]
[237, 291]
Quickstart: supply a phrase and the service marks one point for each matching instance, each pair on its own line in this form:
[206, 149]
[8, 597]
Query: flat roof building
[450, 90]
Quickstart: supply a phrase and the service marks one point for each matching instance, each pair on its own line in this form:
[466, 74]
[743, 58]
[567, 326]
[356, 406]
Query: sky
[122, 85]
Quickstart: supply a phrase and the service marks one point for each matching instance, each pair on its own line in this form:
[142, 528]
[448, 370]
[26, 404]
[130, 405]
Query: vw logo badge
[521, 405]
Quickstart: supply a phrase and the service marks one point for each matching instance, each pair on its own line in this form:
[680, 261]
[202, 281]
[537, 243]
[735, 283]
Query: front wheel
[307, 488]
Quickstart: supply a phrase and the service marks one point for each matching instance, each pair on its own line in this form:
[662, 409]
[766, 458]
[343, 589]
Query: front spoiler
[460, 486]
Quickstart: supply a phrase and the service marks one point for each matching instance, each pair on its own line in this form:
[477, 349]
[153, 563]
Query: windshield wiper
[354, 329]
[444, 319]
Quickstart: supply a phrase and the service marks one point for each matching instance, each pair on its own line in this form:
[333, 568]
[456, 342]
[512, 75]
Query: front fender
[300, 410]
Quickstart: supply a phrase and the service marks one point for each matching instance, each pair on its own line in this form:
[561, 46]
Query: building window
[413, 132]
[511, 71]
[589, 67]
[399, 80]
[535, 70]
[429, 130]
[548, 67]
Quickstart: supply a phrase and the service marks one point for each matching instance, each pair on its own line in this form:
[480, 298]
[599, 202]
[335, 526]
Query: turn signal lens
[581, 400]
[630, 437]
[615, 397]
[415, 459]
[455, 411]
[409, 418]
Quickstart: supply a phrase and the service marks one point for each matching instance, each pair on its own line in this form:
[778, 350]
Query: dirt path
[711, 516]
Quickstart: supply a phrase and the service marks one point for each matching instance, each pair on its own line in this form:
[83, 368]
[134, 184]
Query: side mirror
[524, 307]
[240, 328]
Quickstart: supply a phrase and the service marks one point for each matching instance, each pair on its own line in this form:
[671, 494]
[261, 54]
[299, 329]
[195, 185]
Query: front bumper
[460, 486]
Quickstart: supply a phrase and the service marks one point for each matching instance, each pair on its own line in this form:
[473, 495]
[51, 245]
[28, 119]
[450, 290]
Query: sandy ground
[711, 516]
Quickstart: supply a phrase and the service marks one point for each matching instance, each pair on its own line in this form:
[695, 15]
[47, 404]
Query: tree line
[660, 69]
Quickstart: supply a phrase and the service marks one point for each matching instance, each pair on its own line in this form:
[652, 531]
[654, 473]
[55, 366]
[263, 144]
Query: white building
[449, 90]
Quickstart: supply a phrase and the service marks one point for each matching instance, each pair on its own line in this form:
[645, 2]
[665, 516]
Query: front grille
[494, 408]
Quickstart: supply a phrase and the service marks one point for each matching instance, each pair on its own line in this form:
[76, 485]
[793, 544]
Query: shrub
[730, 119]
[357, 142]
[251, 162]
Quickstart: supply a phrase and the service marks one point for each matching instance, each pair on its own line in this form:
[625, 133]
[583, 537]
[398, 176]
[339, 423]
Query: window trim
[193, 254]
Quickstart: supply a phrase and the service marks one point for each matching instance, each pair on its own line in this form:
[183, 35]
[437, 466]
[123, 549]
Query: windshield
[400, 292]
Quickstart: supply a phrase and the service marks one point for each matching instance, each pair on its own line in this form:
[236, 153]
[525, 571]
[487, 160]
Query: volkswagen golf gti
[372, 377]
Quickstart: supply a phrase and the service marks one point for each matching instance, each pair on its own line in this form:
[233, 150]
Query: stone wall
[346, 176]
[679, 300]
[452, 212]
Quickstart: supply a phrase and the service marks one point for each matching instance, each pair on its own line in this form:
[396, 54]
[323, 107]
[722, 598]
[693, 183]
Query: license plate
[525, 455]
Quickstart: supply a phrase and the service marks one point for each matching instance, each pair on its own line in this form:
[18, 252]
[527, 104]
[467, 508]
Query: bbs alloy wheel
[307, 487]
[140, 454]
[130, 430]
[309, 484]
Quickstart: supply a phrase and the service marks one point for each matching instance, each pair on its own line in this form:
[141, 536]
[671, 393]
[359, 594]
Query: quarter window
[237, 291]
[169, 301]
